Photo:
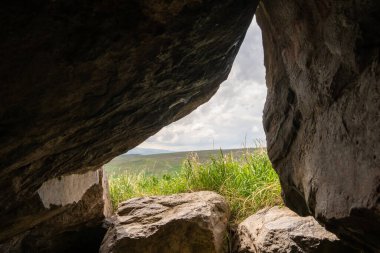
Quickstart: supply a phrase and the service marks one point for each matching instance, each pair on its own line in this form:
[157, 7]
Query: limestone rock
[181, 223]
[84, 81]
[321, 116]
[278, 229]
[65, 215]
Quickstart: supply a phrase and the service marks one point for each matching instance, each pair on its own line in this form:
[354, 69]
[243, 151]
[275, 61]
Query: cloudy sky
[233, 116]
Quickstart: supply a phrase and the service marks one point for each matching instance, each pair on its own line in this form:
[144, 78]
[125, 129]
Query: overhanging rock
[84, 81]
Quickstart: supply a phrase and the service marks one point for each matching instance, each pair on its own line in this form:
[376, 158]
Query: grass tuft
[248, 183]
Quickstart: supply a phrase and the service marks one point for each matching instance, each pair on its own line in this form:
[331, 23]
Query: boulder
[65, 215]
[181, 223]
[321, 115]
[278, 229]
[82, 82]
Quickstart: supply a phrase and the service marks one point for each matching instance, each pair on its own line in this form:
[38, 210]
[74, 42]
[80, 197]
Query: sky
[232, 118]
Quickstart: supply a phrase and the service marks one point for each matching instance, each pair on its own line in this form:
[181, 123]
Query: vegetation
[161, 164]
[248, 183]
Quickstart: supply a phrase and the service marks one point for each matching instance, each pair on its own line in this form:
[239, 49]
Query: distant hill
[147, 151]
[161, 163]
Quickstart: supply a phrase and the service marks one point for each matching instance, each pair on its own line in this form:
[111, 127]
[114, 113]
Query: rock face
[278, 229]
[66, 215]
[181, 223]
[84, 81]
[321, 116]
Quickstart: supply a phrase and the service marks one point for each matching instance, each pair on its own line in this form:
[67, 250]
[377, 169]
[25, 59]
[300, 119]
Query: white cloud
[233, 116]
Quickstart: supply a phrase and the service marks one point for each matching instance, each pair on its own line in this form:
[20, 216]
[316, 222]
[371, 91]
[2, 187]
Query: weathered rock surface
[181, 223]
[279, 229]
[84, 81]
[322, 111]
[66, 215]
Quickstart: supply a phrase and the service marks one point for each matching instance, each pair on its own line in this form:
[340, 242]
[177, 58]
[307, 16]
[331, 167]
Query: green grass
[248, 183]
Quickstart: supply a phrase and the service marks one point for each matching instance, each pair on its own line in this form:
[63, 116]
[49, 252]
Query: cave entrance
[230, 123]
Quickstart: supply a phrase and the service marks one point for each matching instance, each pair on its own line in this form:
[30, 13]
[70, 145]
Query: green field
[161, 164]
[244, 177]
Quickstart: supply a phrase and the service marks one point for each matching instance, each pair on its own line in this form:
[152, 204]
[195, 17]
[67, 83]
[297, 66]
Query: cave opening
[230, 123]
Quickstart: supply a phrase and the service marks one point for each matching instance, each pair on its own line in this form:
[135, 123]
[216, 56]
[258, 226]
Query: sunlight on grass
[248, 183]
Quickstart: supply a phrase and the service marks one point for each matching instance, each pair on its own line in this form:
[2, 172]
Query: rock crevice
[85, 81]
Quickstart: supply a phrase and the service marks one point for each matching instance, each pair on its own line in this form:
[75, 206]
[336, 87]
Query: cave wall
[67, 215]
[85, 81]
[321, 115]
